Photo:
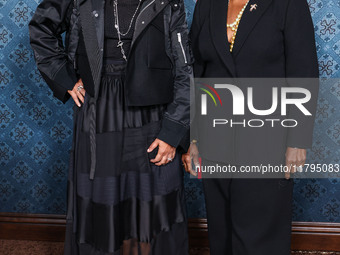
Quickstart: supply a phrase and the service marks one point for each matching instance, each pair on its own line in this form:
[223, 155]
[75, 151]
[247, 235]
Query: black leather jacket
[159, 64]
[158, 69]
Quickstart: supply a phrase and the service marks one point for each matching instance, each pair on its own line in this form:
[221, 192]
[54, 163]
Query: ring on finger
[80, 87]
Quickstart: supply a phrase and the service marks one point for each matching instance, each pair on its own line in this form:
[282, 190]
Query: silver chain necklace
[120, 42]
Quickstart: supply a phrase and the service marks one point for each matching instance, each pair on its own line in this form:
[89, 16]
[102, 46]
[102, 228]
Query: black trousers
[249, 216]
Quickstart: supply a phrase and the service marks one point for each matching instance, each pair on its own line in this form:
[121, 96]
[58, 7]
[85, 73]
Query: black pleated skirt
[131, 206]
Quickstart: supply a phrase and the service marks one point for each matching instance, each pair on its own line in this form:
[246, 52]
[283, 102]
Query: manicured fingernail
[148, 150]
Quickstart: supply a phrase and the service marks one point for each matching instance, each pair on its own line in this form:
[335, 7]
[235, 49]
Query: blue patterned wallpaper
[36, 129]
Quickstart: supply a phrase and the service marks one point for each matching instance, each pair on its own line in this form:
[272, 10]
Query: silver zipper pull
[179, 36]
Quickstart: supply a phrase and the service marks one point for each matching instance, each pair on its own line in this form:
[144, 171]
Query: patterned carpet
[15, 247]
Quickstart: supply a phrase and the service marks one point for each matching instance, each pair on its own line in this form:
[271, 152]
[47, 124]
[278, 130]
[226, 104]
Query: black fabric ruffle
[106, 226]
[112, 114]
[130, 198]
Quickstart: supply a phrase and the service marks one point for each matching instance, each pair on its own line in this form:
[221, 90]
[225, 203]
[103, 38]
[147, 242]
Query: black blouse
[126, 9]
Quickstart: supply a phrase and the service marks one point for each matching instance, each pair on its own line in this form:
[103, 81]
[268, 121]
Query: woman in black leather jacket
[127, 66]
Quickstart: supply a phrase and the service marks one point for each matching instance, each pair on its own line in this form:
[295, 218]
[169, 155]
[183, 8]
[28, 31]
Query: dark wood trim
[198, 232]
[306, 236]
[316, 236]
[37, 227]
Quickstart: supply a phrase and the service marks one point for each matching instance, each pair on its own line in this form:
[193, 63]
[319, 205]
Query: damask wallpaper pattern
[36, 129]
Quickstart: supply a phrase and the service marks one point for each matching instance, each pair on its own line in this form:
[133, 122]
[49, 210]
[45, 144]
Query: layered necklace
[120, 34]
[234, 25]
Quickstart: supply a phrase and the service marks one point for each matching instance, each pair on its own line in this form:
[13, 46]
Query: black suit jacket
[275, 40]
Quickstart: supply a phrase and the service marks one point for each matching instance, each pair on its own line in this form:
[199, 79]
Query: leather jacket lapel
[98, 16]
[93, 51]
[149, 10]
[248, 21]
[218, 30]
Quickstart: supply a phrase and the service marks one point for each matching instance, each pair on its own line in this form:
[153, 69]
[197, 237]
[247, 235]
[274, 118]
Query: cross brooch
[253, 7]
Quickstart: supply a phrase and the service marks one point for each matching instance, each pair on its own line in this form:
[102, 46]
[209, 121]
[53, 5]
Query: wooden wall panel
[37, 227]
[306, 236]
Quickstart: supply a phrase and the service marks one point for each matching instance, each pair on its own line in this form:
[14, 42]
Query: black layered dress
[131, 206]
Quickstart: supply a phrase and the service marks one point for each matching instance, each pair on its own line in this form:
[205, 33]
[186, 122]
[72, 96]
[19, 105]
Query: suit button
[143, 22]
[95, 13]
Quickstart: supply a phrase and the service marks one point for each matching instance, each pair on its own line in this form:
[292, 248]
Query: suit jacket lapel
[248, 21]
[218, 30]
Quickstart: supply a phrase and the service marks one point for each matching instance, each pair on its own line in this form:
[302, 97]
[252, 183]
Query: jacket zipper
[179, 36]
[147, 6]
[138, 17]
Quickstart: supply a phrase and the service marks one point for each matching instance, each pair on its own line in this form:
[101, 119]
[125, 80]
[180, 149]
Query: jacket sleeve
[199, 63]
[176, 120]
[50, 20]
[301, 69]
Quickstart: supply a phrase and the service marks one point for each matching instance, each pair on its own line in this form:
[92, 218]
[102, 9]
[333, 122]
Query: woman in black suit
[253, 39]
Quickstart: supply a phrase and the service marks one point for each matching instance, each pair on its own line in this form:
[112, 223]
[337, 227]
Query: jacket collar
[93, 50]
[218, 30]
[218, 21]
[148, 11]
[248, 21]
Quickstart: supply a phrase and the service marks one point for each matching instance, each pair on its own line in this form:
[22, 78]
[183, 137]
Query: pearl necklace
[234, 25]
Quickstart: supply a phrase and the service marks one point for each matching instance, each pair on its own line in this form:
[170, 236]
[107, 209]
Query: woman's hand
[295, 157]
[186, 159]
[166, 152]
[77, 95]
